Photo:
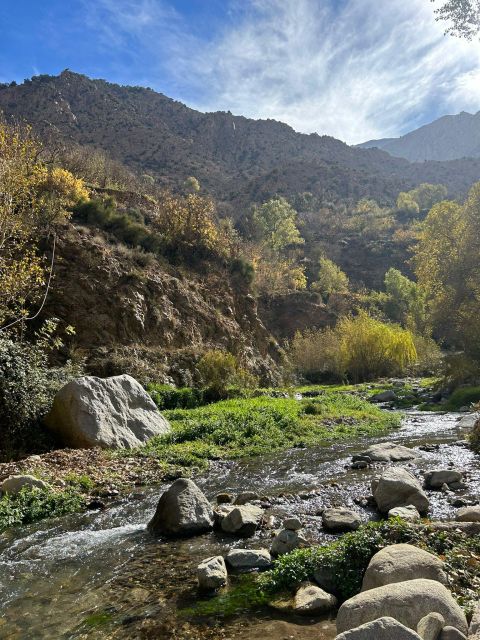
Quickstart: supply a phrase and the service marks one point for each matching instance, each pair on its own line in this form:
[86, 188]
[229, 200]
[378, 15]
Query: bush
[33, 504]
[359, 347]
[167, 397]
[220, 370]
[27, 386]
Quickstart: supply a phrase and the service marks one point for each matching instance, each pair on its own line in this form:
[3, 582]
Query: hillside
[236, 159]
[448, 138]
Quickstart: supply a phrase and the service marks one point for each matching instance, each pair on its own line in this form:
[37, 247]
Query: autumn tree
[405, 301]
[276, 224]
[331, 279]
[33, 201]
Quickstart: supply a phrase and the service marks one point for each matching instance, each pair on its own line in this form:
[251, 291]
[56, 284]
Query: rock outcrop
[112, 412]
[183, 510]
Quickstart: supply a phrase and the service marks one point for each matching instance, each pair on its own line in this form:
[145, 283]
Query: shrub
[220, 369]
[359, 347]
[167, 397]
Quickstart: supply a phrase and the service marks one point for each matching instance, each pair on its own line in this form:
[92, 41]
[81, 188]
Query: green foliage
[27, 384]
[331, 279]
[32, 504]
[246, 594]
[275, 222]
[81, 482]
[406, 301]
[168, 397]
[406, 203]
[254, 426]
[129, 227]
[243, 269]
[220, 370]
[346, 559]
[462, 397]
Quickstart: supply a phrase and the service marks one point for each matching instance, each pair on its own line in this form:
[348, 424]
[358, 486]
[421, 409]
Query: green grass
[33, 504]
[254, 426]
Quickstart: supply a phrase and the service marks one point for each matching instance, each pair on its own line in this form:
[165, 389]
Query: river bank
[101, 575]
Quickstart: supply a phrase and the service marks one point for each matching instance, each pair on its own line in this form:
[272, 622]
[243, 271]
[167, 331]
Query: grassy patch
[245, 595]
[254, 426]
[464, 396]
[346, 559]
[33, 504]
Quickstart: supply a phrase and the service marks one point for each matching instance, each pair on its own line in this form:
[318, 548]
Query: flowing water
[101, 575]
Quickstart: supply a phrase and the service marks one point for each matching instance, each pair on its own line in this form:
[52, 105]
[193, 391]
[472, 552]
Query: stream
[101, 575]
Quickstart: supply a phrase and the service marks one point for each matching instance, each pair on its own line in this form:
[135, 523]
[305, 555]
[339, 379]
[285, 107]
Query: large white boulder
[105, 412]
[381, 629]
[397, 487]
[408, 602]
[400, 562]
[183, 510]
[14, 484]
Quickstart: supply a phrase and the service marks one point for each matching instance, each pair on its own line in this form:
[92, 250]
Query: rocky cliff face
[153, 321]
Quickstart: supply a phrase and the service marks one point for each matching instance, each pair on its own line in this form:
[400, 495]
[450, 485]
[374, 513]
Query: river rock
[409, 513]
[182, 510]
[14, 484]
[389, 452]
[436, 479]
[338, 519]
[286, 541]
[468, 422]
[310, 600]
[474, 628]
[450, 633]
[468, 514]
[401, 562]
[381, 629]
[212, 574]
[384, 396]
[397, 487]
[112, 412]
[292, 524]
[249, 558]
[245, 497]
[242, 520]
[430, 627]
[408, 602]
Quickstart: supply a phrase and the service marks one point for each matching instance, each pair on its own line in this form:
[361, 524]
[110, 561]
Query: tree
[33, 201]
[463, 16]
[405, 301]
[331, 279]
[405, 202]
[275, 222]
[192, 185]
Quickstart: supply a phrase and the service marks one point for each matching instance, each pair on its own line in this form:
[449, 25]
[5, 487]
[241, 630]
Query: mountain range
[238, 160]
[448, 138]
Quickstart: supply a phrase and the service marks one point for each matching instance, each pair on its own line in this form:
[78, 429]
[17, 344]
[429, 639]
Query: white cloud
[355, 69]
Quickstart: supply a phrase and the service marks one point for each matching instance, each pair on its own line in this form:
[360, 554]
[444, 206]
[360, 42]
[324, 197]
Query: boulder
[474, 629]
[14, 484]
[286, 541]
[384, 396]
[249, 558]
[224, 498]
[401, 562]
[389, 452]
[183, 510]
[292, 524]
[337, 519]
[246, 496]
[408, 602]
[310, 600]
[409, 513]
[436, 479]
[430, 627]
[112, 412]
[242, 521]
[397, 487]
[381, 629]
[450, 633]
[212, 574]
[468, 514]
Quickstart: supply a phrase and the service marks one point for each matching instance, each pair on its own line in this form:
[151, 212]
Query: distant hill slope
[448, 138]
[238, 160]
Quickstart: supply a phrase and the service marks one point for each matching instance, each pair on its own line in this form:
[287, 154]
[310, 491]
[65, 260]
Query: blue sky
[355, 69]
